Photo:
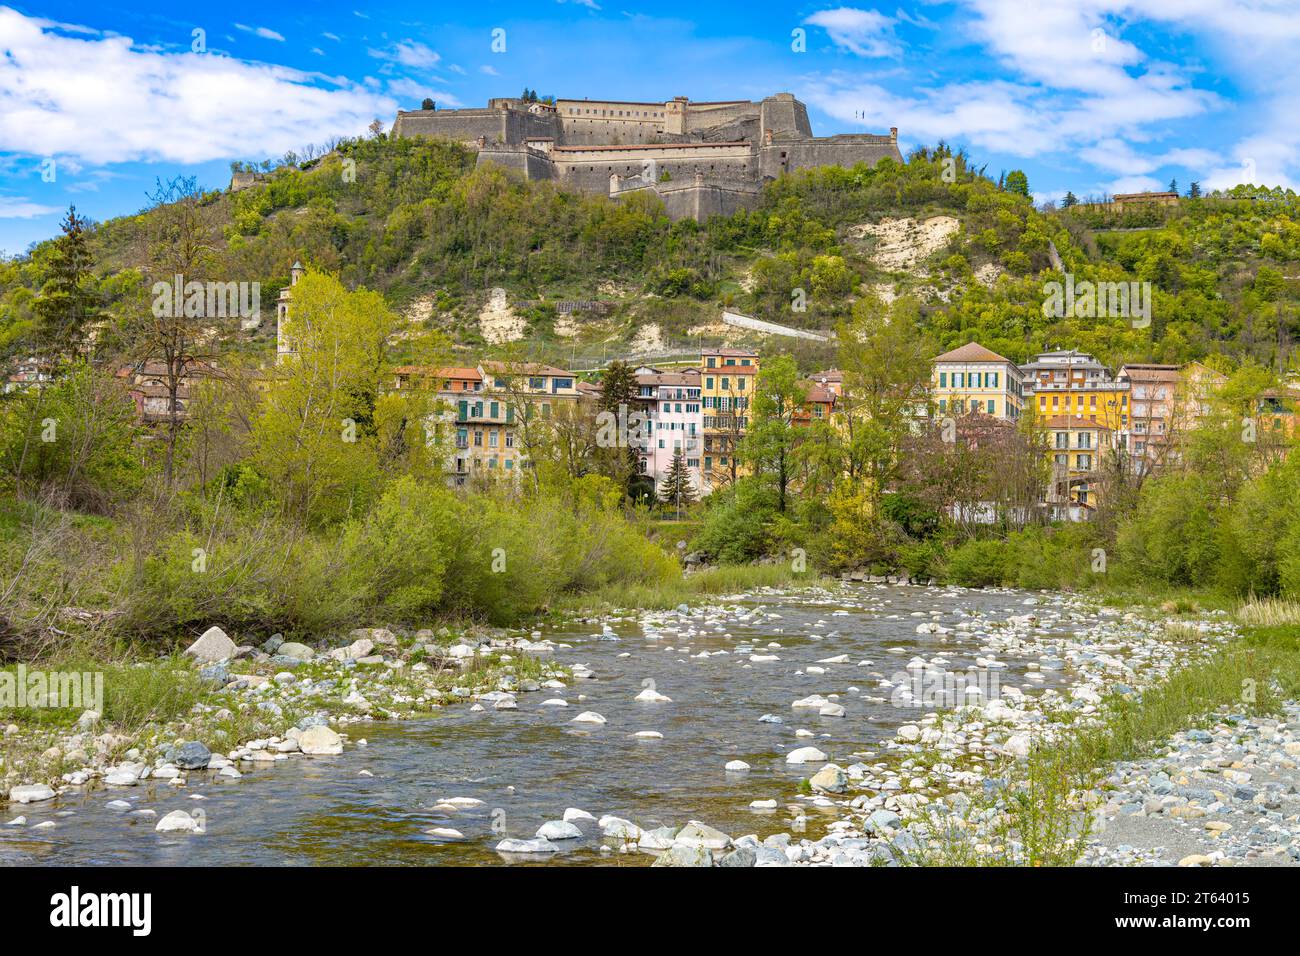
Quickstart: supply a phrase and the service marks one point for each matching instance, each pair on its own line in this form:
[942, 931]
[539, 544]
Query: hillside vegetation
[417, 221]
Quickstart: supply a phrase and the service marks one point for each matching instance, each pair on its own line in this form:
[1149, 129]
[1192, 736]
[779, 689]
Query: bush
[978, 564]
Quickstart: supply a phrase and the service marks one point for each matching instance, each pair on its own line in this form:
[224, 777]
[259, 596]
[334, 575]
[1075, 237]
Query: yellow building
[1076, 448]
[1075, 384]
[727, 379]
[975, 379]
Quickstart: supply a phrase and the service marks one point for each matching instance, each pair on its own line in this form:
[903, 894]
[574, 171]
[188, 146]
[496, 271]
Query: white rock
[527, 846]
[573, 813]
[558, 830]
[34, 793]
[213, 646]
[805, 755]
[652, 696]
[178, 821]
[736, 766]
[320, 741]
[588, 717]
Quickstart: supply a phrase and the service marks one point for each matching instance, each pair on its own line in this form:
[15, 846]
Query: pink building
[675, 421]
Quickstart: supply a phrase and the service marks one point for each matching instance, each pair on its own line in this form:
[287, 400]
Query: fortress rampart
[699, 158]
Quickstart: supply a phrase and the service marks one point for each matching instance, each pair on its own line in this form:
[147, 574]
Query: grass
[1269, 612]
[1042, 818]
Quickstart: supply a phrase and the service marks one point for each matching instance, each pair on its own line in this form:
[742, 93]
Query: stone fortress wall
[700, 158]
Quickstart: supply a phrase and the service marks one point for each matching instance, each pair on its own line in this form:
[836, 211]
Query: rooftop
[971, 352]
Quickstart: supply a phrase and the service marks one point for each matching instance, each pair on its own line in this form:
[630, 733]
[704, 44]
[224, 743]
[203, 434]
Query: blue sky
[1084, 95]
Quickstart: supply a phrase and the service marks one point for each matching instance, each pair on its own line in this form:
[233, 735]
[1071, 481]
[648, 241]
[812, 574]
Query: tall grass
[1043, 817]
[1269, 612]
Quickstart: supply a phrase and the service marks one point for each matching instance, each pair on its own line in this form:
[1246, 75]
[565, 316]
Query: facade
[699, 158]
[818, 405]
[975, 379]
[1155, 402]
[1076, 447]
[1075, 384]
[676, 423]
[728, 387]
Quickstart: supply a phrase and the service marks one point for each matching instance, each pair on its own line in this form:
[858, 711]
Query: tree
[1173, 186]
[1017, 182]
[70, 299]
[1070, 200]
[677, 488]
[772, 436]
[376, 128]
[1194, 191]
[319, 436]
[618, 390]
[177, 332]
[428, 104]
[886, 366]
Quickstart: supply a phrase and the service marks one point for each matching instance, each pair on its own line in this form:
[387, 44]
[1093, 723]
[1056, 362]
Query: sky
[97, 102]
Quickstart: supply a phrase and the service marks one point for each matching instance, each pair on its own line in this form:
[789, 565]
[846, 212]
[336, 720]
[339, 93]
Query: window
[492, 439]
[994, 377]
[943, 379]
[510, 439]
[478, 439]
[740, 384]
[726, 384]
[708, 383]
[990, 406]
[496, 408]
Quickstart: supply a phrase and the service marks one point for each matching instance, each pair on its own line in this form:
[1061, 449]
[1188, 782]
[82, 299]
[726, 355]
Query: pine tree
[69, 300]
[1173, 186]
[1070, 200]
[677, 489]
[1194, 191]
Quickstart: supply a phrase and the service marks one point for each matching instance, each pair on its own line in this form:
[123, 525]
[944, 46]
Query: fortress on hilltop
[701, 159]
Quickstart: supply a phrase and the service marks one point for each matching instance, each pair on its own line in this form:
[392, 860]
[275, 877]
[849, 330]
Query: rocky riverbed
[853, 726]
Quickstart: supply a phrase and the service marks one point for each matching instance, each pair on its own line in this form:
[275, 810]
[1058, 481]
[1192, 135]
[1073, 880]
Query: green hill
[417, 221]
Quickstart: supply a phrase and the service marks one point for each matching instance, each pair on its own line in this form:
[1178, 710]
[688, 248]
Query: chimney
[893, 134]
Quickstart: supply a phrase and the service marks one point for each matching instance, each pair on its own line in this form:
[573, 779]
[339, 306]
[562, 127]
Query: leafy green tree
[317, 437]
[1017, 182]
[771, 440]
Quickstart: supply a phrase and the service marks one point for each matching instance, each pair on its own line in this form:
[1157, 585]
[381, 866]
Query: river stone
[588, 717]
[558, 830]
[300, 652]
[881, 820]
[618, 828]
[805, 755]
[573, 813]
[741, 856]
[354, 651]
[652, 696]
[33, 793]
[679, 855]
[273, 643]
[538, 845]
[660, 838]
[829, 778]
[213, 646]
[191, 755]
[317, 741]
[831, 709]
[736, 766]
[178, 821]
[696, 834]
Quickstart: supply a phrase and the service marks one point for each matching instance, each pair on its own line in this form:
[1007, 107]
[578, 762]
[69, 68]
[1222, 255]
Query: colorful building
[975, 379]
[728, 386]
[1074, 384]
[1076, 447]
[675, 423]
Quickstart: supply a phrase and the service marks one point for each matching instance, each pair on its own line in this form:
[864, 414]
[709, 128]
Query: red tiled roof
[971, 352]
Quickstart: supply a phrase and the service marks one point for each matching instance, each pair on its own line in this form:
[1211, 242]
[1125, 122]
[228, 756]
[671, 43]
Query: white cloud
[106, 101]
[409, 53]
[589, 4]
[20, 207]
[489, 70]
[864, 32]
[263, 32]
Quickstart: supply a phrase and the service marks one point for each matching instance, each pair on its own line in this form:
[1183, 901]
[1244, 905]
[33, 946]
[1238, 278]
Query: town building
[675, 422]
[728, 387]
[284, 345]
[972, 378]
[1075, 384]
[1076, 448]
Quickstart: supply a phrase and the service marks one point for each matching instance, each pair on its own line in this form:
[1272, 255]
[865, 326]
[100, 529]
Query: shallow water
[528, 765]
